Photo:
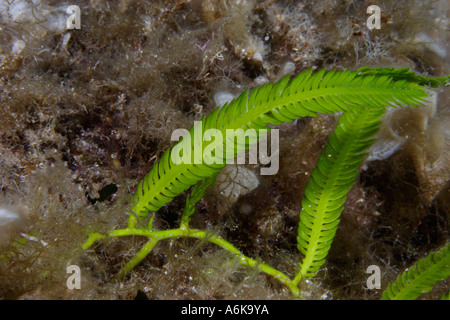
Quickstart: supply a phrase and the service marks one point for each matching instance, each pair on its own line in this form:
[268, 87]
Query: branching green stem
[154, 236]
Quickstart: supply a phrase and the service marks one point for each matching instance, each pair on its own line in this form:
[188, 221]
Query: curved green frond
[405, 74]
[421, 277]
[331, 180]
[305, 95]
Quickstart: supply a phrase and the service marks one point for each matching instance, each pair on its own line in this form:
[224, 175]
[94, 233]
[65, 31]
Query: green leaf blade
[329, 184]
[421, 277]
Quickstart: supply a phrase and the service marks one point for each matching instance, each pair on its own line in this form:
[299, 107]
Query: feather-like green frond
[405, 74]
[305, 95]
[421, 277]
[331, 180]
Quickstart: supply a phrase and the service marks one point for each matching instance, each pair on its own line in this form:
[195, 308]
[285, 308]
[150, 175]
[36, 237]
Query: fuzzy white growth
[261, 80]
[7, 217]
[223, 97]
[431, 44]
[257, 56]
[34, 12]
[288, 68]
[10, 221]
[17, 47]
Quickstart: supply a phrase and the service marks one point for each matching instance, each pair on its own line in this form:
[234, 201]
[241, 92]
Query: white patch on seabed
[12, 219]
[34, 12]
[223, 97]
[9, 222]
[235, 181]
[7, 216]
